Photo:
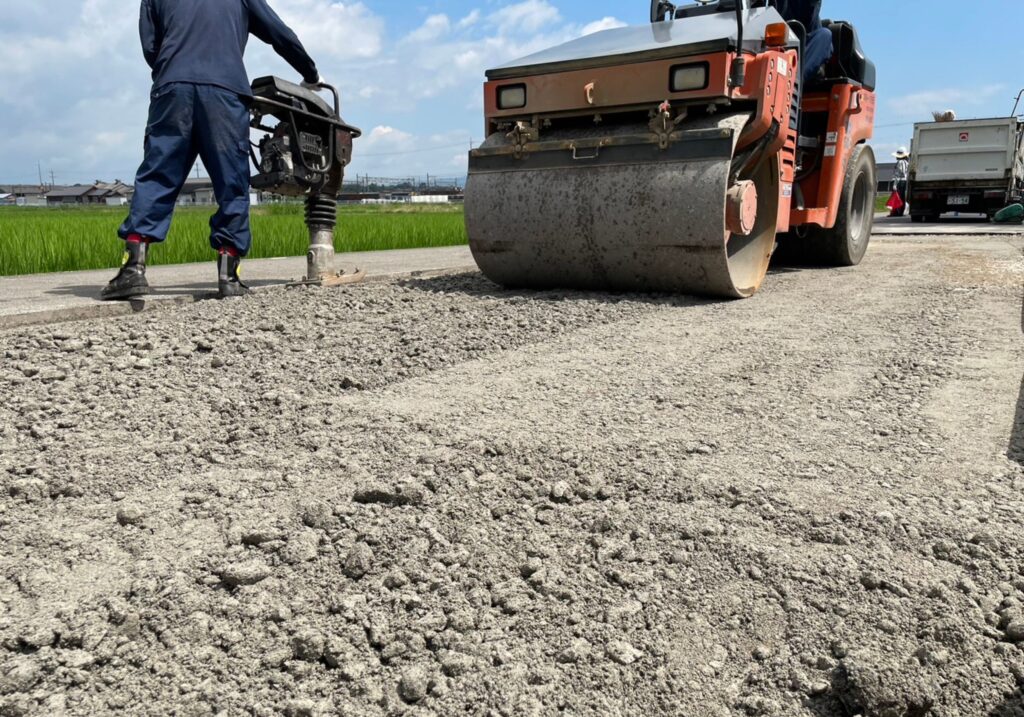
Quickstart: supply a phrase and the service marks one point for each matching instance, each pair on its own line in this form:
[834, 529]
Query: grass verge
[42, 240]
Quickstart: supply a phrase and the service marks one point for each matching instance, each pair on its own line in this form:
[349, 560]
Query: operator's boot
[130, 282]
[229, 283]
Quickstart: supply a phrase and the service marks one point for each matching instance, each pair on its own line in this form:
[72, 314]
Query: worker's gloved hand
[313, 85]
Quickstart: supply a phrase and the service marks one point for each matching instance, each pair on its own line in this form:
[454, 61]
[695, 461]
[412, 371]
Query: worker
[199, 108]
[900, 178]
[818, 45]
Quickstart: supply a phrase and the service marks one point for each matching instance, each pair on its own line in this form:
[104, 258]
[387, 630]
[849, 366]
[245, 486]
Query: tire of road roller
[643, 224]
[847, 242]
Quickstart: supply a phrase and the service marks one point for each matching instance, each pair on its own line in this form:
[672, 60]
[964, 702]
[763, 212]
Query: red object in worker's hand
[896, 202]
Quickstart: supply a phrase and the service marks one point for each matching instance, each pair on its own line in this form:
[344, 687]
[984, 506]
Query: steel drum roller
[622, 217]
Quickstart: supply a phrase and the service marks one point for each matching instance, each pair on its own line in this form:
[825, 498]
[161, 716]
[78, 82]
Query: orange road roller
[674, 157]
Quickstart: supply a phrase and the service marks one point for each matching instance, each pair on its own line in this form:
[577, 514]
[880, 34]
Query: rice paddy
[40, 240]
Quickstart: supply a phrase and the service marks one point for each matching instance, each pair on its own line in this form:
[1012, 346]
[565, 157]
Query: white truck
[967, 166]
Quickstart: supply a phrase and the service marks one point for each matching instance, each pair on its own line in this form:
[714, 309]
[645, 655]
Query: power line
[412, 151]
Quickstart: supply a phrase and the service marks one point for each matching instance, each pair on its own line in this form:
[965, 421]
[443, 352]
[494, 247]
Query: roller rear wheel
[847, 242]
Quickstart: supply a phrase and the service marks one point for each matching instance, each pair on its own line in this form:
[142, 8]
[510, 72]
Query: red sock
[138, 239]
[230, 251]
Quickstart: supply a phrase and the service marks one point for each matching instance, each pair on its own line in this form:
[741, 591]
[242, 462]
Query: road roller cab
[673, 156]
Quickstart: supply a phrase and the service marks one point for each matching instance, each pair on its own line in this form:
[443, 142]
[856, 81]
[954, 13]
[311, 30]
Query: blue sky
[74, 88]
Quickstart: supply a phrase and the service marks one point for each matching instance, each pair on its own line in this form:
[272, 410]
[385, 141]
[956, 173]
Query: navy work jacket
[807, 12]
[203, 41]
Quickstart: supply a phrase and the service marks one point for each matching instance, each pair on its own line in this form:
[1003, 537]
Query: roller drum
[623, 217]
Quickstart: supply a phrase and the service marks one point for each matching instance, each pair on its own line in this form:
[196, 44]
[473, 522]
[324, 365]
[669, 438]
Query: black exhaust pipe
[738, 76]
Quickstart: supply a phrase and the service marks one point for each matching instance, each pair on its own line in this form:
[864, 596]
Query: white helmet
[901, 153]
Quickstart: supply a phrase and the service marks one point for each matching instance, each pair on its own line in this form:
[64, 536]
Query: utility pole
[197, 171]
[39, 166]
[53, 180]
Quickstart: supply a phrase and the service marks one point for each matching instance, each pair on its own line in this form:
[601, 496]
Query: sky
[74, 87]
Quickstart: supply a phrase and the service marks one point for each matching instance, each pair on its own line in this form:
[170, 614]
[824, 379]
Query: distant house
[61, 196]
[885, 172]
[115, 193]
[197, 192]
[112, 194]
[31, 195]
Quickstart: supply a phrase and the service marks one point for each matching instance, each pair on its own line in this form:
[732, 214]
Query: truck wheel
[846, 243]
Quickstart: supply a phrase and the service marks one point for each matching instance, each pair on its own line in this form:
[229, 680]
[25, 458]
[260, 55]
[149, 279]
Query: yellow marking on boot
[125, 259]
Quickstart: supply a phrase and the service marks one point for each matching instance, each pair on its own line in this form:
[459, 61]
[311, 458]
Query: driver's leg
[817, 51]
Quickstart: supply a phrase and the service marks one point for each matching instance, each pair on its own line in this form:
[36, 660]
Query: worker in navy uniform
[818, 46]
[199, 108]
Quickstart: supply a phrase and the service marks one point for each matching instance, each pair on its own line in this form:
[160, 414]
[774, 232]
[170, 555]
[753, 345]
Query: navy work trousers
[817, 51]
[187, 121]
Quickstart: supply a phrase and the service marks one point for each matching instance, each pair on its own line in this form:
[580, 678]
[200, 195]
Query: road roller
[674, 157]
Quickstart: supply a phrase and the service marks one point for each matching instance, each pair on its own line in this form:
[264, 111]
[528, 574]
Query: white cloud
[527, 16]
[470, 20]
[435, 27]
[920, 105]
[384, 138]
[605, 23]
[334, 30]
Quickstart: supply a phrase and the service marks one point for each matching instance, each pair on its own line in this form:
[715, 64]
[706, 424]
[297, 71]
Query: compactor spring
[321, 211]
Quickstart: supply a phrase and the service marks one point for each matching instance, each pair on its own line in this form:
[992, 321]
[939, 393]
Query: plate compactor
[674, 157]
[304, 154]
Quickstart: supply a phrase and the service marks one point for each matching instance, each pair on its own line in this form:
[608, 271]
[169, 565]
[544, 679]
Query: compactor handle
[337, 96]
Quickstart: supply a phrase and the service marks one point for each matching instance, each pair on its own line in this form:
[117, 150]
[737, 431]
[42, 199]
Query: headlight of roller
[512, 97]
[686, 78]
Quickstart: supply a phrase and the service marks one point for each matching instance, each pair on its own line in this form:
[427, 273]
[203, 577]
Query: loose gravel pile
[436, 498]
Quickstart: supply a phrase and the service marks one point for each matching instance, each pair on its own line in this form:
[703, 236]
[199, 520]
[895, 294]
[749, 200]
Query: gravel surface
[435, 497]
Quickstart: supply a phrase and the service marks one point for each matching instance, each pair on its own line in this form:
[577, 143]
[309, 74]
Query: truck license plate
[959, 200]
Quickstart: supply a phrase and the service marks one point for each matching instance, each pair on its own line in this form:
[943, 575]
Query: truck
[968, 166]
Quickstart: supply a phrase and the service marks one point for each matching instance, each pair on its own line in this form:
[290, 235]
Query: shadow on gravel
[201, 290]
[1013, 707]
[1016, 450]
[477, 286]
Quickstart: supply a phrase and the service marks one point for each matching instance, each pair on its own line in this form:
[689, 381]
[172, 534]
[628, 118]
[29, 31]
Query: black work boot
[130, 282]
[229, 283]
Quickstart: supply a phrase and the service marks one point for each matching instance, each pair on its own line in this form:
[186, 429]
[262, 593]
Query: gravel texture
[435, 497]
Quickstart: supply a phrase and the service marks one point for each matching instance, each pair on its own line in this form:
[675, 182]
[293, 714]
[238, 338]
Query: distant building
[31, 195]
[885, 172]
[113, 194]
[197, 192]
[64, 196]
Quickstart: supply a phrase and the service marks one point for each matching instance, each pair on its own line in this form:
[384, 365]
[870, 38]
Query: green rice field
[39, 240]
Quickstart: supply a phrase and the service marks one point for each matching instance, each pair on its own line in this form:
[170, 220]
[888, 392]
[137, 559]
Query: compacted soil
[435, 497]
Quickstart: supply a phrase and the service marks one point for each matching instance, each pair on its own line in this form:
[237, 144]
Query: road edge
[109, 310]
